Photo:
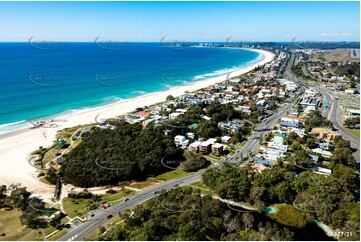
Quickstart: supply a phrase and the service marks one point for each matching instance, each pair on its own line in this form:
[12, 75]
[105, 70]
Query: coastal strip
[15, 147]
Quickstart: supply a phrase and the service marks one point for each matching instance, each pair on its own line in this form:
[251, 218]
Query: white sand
[16, 147]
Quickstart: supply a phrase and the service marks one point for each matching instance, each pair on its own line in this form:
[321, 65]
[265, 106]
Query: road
[334, 115]
[99, 219]
[85, 229]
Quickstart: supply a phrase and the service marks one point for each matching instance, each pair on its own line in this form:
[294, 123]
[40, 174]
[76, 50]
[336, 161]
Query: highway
[334, 115]
[85, 229]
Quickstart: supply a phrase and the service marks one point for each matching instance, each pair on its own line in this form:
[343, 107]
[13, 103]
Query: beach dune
[15, 147]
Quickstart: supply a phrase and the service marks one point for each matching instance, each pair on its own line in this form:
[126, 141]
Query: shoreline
[16, 146]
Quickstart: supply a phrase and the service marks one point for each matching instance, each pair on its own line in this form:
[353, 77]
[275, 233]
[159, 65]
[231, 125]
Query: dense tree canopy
[126, 153]
[182, 214]
[322, 197]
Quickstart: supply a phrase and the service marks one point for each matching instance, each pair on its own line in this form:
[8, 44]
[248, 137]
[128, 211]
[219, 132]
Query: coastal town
[298, 112]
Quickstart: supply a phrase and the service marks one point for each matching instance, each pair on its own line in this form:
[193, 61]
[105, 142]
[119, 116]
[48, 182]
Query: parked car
[126, 199]
[109, 216]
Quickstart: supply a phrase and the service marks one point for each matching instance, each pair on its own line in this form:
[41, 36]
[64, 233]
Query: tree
[248, 220]
[169, 98]
[352, 122]
[311, 143]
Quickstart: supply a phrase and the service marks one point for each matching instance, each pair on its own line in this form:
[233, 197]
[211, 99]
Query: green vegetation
[172, 175]
[22, 217]
[12, 229]
[182, 214]
[317, 195]
[81, 203]
[352, 122]
[355, 132]
[107, 157]
[289, 215]
[349, 70]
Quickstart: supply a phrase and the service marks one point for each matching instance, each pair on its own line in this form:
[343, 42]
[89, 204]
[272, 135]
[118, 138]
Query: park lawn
[213, 158]
[204, 189]
[116, 197]
[10, 225]
[172, 175]
[58, 235]
[141, 185]
[355, 132]
[80, 207]
[290, 216]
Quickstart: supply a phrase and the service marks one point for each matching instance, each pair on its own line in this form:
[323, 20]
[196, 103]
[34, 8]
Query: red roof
[143, 114]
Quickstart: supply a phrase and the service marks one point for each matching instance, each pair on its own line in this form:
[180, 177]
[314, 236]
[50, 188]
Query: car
[104, 206]
[126, 199]
[109, 216]
[155, 192]
[92, 215]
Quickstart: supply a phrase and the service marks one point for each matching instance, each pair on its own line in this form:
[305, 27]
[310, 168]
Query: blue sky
[186, 21]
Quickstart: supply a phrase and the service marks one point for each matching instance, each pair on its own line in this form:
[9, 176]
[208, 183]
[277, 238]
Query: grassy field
[355, 132]
[12, 229]
[172, 175]
[58, 235]
[204, 189]
[80, 207]
[290, 216]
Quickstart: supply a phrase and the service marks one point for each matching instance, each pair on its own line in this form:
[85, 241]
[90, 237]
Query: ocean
[45, 79]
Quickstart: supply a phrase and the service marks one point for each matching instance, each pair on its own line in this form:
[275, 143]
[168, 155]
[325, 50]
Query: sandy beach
[16, 147]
